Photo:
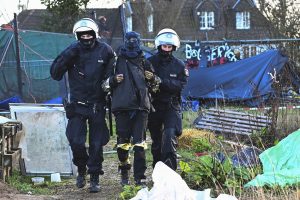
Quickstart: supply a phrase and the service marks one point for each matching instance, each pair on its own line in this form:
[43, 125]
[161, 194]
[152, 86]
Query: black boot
[141, 181]
[139, 166]
[125, 169]
[80, 180]
[94, 183]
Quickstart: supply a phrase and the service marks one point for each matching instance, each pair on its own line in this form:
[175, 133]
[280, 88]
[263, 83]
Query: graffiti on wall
[211, 56]
[206, 56]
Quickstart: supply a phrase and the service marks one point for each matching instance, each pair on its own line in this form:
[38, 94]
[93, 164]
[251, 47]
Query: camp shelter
[37, 51]
[248, 80]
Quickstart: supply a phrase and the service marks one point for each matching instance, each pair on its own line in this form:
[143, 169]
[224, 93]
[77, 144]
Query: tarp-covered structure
[248, 80]
[37, 51]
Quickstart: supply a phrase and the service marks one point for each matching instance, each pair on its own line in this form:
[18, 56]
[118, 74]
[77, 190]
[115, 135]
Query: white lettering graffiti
[192, 53]
[213, 54]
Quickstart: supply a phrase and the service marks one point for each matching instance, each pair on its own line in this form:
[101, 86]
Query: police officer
[131, 103]
[87, 62]
[165, 124]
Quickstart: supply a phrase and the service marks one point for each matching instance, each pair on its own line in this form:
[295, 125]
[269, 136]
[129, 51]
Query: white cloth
[168, 185]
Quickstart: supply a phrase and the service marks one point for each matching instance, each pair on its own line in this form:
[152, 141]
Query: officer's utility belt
[95, 106]
[86, 104]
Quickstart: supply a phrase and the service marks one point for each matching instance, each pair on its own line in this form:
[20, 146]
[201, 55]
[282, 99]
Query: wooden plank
[222, 130]
[238, 113]
[242, 117]
[233, 124]
[224, 127]
[231, 121]
[249, 122]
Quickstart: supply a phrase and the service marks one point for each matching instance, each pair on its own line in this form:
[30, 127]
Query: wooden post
[19, 71]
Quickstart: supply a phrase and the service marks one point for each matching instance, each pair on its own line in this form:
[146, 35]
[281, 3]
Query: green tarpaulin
[37, 51]
[281, 163]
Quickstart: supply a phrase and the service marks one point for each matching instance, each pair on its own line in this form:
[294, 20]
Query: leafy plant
[201, 145]
[209, 172]
[263, 139]
[129, 191]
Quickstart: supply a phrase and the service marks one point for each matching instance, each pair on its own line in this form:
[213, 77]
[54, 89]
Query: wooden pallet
[228, 121]
[10, 154]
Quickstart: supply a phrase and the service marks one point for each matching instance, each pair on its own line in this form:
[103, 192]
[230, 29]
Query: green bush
[129, 191]
[209, 172]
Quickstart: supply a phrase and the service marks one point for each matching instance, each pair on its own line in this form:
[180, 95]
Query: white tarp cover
[168, 185]
[45, 149]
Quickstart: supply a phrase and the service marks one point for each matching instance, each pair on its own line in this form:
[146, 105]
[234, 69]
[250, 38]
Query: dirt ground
[109, 182]
[110, 187]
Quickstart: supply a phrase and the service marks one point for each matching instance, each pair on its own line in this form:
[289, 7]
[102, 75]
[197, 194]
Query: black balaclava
[165, 54]
[87, 43]
[131, 47]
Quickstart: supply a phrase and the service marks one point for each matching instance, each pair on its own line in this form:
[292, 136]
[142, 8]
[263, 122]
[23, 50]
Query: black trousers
[164, 126]
[93, 119]
[132, 125]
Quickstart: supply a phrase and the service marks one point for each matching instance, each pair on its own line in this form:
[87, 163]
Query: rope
[41, 56]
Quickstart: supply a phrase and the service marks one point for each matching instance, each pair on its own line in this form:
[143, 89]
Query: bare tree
[62, 14]
[283, 14]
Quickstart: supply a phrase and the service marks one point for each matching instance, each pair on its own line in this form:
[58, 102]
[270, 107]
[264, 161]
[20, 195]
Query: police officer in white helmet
[165, 123]
[87, 62]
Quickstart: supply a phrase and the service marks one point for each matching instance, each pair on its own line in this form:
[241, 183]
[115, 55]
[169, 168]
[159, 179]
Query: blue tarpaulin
[4, 104]
[247, 79]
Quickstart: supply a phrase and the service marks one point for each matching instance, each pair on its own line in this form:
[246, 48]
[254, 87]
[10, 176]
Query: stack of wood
[10, 154]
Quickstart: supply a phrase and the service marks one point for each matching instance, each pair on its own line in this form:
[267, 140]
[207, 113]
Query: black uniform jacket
[87, 68]
[133, 92]
[173, 76]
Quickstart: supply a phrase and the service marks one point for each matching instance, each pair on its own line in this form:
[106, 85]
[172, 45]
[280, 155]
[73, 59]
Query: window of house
[129, 23]
[207, 20]
[243, 20]
[150, 23]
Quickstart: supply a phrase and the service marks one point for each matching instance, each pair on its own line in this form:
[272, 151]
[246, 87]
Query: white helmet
[167, 36]
[85, 24]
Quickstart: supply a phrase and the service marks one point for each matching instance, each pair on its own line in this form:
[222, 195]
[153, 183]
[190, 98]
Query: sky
[9, 7]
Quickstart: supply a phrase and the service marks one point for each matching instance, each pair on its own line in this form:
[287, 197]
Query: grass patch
[188, 118]
[24, 184]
